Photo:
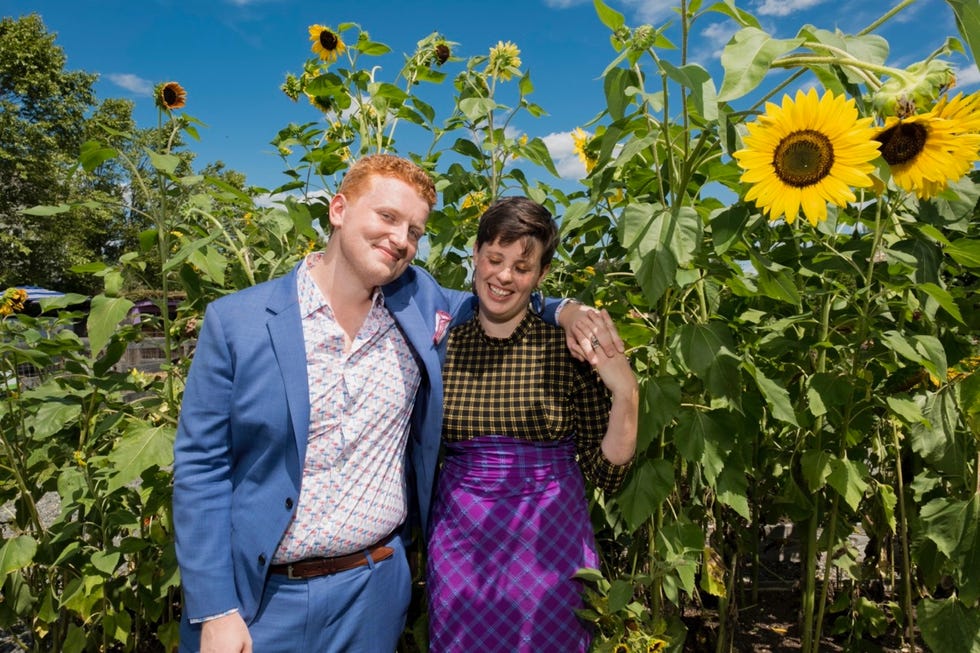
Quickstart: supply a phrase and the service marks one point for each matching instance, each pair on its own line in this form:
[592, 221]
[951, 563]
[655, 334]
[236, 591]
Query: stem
[822, 603]
[888, 15]
[903, 537]
[811, 535]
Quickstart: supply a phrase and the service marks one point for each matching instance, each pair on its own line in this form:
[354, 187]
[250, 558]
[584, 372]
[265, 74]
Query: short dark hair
[513, 219]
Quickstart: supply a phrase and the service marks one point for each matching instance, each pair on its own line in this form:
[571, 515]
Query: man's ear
[338, 205]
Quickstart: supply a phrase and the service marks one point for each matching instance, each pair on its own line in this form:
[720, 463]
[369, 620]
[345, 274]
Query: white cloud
[641, 11]
[715, 37]
[562, 149]
[968, 76]
[565, 4]
[652, 11]
[132, 83]
[785, 7]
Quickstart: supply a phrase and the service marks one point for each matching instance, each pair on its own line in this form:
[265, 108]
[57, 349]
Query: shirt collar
[311, 299]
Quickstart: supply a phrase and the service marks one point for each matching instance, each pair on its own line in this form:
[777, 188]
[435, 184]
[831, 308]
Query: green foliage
[824, 374]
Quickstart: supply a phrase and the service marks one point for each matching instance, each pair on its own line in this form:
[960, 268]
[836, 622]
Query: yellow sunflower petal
[805, 153]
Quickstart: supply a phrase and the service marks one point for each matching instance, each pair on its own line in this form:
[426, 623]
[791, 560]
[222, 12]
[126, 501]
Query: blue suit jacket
[242, 434]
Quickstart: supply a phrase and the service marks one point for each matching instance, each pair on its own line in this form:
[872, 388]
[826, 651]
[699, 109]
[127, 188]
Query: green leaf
[946, 520]
[949, 625]
[45, 210]
[700, 345]
[536, 151]
[141, 447]
[166, 163]
[477, 108]
[103, 319]
[965, 251]
[691, 432]
[699, 82]
[909, 411]
[372, 48]
[185, 252]
[728, 8]
[733, 491]
[777, 397]
[967, 14]
[105, 561]
[747, 58]
[779, 284]
[620, 594]
[54, 415]
[647, 487]
[93, 154]
[609, 16]
[816, 468]
[17, 553]
[944, 299]
[847, 477]
[953, 526]
[661, 402]
[614, 86]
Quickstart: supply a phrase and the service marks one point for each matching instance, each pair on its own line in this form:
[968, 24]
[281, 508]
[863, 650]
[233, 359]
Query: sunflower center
[328, 40]
[169, 95]
[803, 158]
[902, 143]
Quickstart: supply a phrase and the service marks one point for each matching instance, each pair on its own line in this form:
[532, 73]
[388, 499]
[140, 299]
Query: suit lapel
[286, 332]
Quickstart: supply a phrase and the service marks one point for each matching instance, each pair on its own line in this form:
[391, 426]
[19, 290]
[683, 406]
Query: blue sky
[232, 55]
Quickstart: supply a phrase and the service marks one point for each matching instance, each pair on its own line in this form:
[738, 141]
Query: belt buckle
[289, 573]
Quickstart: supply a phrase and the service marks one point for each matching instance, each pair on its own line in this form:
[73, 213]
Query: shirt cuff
[561, 306]
[213, 617]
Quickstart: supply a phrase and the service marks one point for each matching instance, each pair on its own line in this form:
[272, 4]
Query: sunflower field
[791, 254]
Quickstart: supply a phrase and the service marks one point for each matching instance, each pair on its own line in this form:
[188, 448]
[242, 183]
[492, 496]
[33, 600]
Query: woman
[523, 421]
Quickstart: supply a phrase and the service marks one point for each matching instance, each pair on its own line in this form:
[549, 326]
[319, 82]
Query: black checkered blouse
[527, 386]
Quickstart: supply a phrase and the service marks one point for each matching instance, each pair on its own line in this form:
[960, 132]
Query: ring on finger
[595, 342]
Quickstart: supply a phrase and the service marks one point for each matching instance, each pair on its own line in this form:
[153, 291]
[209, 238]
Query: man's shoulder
[413, 276]
[261, 294]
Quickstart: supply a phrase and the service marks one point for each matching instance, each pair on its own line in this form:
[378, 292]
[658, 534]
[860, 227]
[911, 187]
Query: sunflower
[925, 152]
[505, 61]
[170, 96]
[442, 52]
[321, 102]
[806, 153]
[579, 140]
[327, 43]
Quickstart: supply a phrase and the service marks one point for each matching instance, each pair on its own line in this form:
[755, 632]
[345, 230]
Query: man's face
[379, 229]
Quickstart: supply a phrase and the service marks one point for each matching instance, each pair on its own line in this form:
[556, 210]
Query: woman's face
[504, 277]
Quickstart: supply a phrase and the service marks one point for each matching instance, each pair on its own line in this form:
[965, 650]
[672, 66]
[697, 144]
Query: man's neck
[348, 298]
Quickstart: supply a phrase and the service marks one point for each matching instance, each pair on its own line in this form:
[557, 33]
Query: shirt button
[289, 504]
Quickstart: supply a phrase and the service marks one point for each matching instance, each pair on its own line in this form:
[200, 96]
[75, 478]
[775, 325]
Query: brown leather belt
[313, 567]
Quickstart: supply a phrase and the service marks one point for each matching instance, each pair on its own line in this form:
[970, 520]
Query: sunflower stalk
[903, 538]
[864, 68]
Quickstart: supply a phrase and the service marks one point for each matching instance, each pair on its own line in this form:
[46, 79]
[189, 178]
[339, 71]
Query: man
[292, 487]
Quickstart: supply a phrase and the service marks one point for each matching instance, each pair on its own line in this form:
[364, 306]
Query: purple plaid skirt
[510, 526]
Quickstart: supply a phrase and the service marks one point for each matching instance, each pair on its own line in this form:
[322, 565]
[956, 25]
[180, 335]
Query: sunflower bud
[916, 90]
[644, 37]
[292, 87]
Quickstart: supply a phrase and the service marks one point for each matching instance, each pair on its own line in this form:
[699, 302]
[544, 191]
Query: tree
[46, 113]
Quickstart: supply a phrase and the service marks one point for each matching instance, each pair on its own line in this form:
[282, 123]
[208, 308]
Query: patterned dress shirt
[527, 386]
[353, 490]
